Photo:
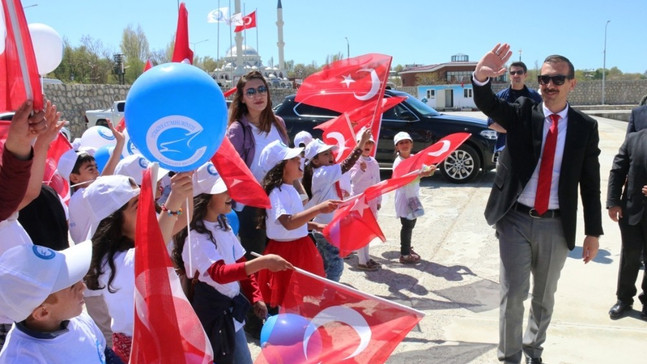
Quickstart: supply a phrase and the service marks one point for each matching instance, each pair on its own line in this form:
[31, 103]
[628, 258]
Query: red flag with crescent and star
[433, 154]
[345, 325]
[342, 130]
[348, 84]
[166, 327]
[19, 79]
[354, 225]
[249, 21]
[240, 182]
[181, 51]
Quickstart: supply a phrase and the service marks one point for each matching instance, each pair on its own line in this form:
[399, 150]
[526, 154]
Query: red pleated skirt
[301, 253]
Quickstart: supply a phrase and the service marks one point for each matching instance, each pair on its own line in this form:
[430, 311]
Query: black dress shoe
[619, 309]
[530, 360]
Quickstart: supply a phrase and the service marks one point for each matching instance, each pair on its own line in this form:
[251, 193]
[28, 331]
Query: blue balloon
[232, 219]
[102, 155]
[284, 329]
[176, 115]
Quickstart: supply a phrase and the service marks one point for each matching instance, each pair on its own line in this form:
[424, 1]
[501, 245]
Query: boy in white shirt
[42, 292]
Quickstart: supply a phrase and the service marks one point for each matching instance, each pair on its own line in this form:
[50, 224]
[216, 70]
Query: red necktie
[546, 168]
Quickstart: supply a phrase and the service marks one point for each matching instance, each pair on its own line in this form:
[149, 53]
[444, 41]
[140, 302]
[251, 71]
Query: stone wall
[73, 100]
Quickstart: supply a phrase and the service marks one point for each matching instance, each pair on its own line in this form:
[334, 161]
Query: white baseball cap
[302, 137]
[317, 146]
[206, 179]
[30, 273]
[99, 200]
[403, 135]
[66, 163]
[134, 166]
[275, 152]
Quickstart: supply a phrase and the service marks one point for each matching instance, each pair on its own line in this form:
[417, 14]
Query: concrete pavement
[456, 284]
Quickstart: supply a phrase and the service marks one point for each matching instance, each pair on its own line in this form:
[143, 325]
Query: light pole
[29, 6]
[194, 44]
[347, 48]
[604, 61]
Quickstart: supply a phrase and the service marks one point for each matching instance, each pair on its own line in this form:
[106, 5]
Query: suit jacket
[638, 119]
[630, 165]
[580, 166]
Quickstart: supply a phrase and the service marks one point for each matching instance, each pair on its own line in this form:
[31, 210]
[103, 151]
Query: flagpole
[218, 39]
[245, 28]
[256, 20]
[339, 285]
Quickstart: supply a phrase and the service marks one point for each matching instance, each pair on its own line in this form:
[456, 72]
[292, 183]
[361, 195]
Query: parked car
[101, 117]
[425, 125]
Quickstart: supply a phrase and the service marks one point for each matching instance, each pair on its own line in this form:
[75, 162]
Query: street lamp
[347, 48]
[194, 44]
[29, 6]
[604, 60]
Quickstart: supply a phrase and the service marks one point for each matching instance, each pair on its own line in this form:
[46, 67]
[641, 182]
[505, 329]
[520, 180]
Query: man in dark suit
[551, 150]
[627, 207]
[638, 119]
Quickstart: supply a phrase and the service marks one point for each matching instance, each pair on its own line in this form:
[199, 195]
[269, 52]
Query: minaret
[239, 71]
[280, 43]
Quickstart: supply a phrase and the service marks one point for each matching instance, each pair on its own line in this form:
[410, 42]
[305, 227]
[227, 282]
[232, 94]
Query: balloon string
[188, 238]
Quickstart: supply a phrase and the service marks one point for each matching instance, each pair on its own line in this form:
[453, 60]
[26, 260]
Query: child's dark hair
[273, 179]
[82, 158]
[200, 209]
[107, 241]
[306, 181]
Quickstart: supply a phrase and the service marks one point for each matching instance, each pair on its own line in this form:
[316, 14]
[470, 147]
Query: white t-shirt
[80, 217]
[261, 140]
[285, 200]
[12, 234]
[323, 188]
[361, 180]
[81, 342]
[121, 304]
[404, 193]
[204, 253]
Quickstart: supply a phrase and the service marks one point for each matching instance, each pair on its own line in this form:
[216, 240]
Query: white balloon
[97, 137]
[48, 47]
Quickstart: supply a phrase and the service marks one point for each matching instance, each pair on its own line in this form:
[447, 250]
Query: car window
[421, 107]
[302, 109]
[399, 113]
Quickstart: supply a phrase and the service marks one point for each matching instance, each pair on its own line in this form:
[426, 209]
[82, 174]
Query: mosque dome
[247, 51]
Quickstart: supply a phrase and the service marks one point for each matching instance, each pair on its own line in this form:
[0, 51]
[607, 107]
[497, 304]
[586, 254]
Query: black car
[425, 125]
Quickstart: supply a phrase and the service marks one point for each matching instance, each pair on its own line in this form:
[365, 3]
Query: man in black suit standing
[638, 119]
[552, 150]
[627, 208]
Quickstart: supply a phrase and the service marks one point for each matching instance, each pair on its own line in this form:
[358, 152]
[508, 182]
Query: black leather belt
[533, 213]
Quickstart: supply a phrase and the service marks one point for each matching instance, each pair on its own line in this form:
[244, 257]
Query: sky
[412, 31]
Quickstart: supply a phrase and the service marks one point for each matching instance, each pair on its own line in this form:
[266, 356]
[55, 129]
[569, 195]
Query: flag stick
[339, 285]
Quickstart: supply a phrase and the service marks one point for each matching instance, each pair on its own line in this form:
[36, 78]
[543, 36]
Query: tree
[134, 46]
[88, 63]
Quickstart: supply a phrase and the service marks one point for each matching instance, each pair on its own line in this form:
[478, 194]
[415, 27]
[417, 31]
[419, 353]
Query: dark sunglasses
[252, 91]
[557, 80]
[517, 72]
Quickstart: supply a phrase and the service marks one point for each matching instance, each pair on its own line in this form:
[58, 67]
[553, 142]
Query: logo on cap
[43, 253]
[143, 163]
[102, 132]
[212, 170]
[169, 139]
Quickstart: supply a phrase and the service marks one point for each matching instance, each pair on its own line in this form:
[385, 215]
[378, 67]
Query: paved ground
[457, 283]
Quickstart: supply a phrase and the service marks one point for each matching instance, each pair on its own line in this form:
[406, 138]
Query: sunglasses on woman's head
[252, 91]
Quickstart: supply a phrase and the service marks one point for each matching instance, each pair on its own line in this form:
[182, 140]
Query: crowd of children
[44, 283]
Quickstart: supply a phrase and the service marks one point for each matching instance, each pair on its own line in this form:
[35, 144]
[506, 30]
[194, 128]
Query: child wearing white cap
[407, 199]
[364, 174]
[215, 261]
[42, 292]
[114, 218]
[322, 179]
[287, 222]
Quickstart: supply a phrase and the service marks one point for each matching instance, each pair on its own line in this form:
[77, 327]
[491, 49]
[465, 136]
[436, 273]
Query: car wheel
[102, 122]
[462, 165]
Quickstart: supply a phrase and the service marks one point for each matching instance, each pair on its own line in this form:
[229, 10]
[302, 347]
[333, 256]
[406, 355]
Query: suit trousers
[634, 244]
[527, 246]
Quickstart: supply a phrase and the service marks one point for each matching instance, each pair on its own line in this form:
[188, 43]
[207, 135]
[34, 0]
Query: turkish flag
[240, 182]
[149, 64]
[354, 225]
[433, 154]
[347, 84]
[342, 130]
[19, 79]
[230, 92]
[249, 21]
[346, 325]
[121, 125]
[181, 51]
[166, 329]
